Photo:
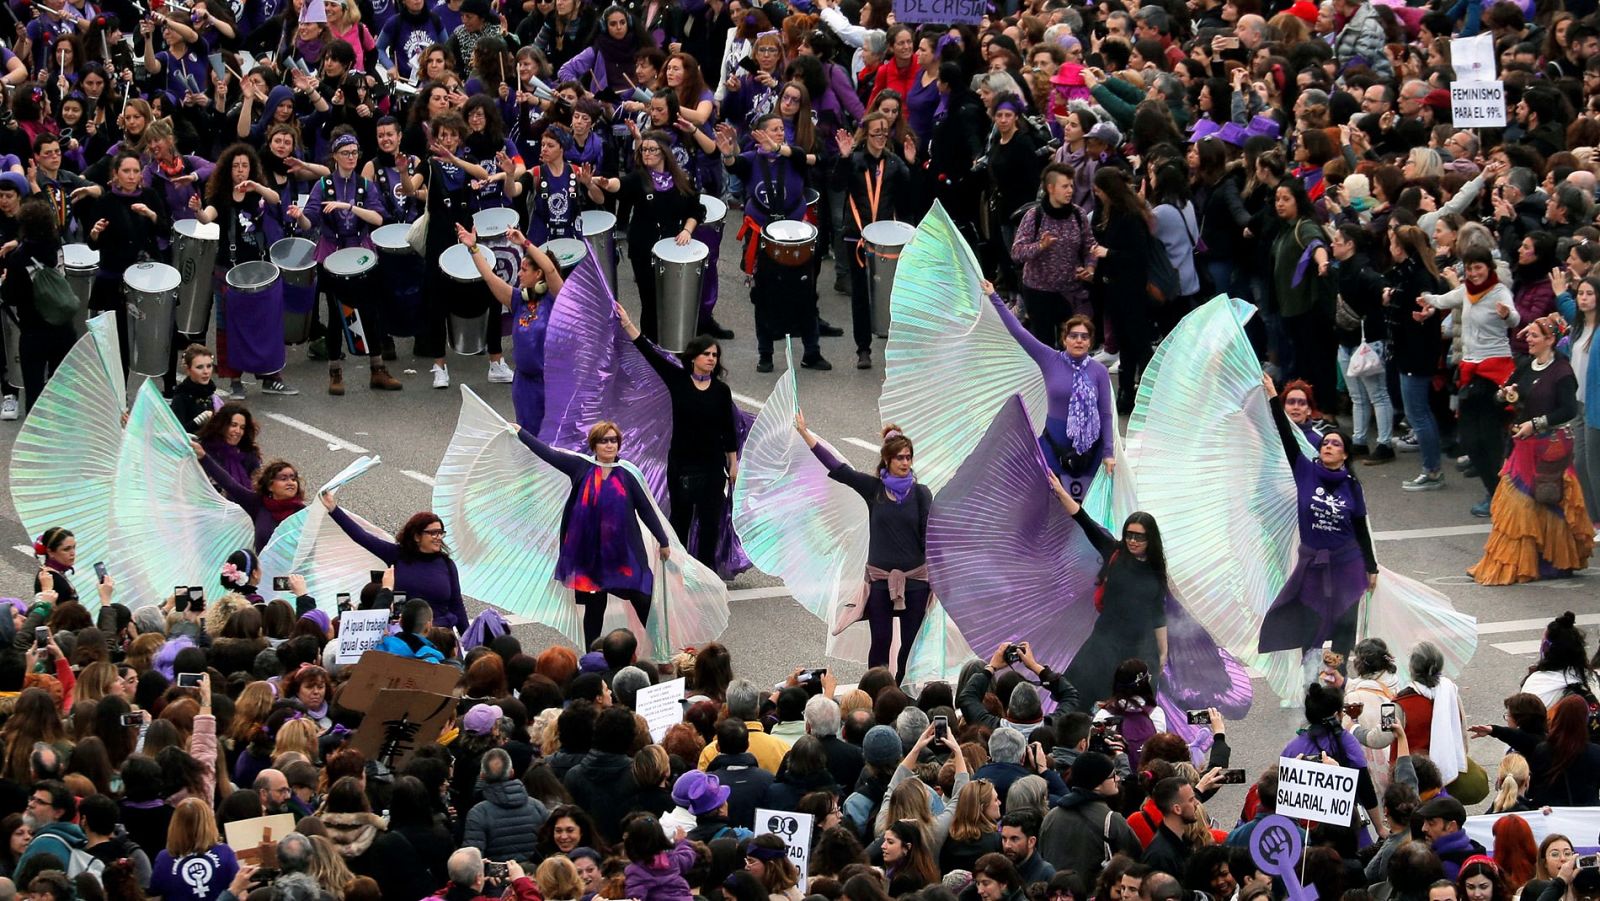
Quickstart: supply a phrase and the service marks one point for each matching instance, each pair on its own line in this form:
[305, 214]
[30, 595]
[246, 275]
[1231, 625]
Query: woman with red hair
[1564, 766]
[1514, 852]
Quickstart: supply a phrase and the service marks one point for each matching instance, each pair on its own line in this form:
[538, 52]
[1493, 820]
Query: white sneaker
[8, 408]
[441, 376]
[500, 373]
[1105, 359]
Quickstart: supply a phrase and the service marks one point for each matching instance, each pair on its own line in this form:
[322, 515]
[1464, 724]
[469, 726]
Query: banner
[1478, 104]
[794, 829]
[941, 12]
[1581, 824]
[1308, 790]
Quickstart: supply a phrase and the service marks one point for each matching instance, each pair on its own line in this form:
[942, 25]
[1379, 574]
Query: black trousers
[786, 304]
[644, 276]
[42, 349]
[594, 612]
[880, 622]
[860, 296]
[696, 493]
[1481, 430]
[1315, 356]
[373, 325]
[1046, 311]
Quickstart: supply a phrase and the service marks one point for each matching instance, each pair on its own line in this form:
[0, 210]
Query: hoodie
[603, 785]
[505, 824]
[662, 878]
[57, 840]
[1081, 833]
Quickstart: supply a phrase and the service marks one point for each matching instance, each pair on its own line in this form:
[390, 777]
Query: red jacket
[889, 77]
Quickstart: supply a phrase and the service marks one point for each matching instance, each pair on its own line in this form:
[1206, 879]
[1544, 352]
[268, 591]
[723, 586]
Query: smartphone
[280, 583]
[1199, 717]
[395, 610]
[1588, 861]
[41, 636]
[1232, 777]
[1387, 712]
[749, 65]
[100, 572]
[180, 600]
[197, 593]
[496, 870]
[189, 680]
[131, 719]
[941, 727]
[343, 599]
[401, 597]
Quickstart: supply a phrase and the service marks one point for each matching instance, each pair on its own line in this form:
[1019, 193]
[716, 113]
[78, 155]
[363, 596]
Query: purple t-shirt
[1329, 502]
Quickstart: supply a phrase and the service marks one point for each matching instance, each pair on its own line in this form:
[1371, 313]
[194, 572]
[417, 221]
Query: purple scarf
[1083, 410]
[899, 487]
[590, 152]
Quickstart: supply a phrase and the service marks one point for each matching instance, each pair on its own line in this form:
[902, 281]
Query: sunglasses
[1131, 535]
[609, 439]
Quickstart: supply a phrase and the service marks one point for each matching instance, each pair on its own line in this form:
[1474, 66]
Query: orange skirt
[1529, 540]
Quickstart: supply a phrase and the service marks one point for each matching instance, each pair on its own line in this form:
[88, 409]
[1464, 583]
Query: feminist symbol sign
[1275, 846]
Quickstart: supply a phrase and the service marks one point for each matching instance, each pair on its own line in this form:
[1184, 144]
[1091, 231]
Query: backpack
[1162, 282]
[81, 861]
[52, 296]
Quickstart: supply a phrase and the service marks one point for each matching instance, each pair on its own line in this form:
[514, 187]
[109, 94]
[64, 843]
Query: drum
[716, 212]
[400, 271]
[599, 228]
[351, 276]
[253, 309]
[567, 254]
[884, 241]
[296, 259]
[80, 262]
[678, 274]
[151, 290]
[789, 243]
[194, 254]
[812, 199]
[468, 334]
[493, 223]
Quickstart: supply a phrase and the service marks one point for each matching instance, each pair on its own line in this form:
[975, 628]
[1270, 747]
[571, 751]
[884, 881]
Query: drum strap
[874, 194]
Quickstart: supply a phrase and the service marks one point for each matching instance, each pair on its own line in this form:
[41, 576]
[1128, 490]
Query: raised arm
[570, 465]
[235, 492]
[383, 549]
[1291, 447]
[497, 285]
[1037, 350]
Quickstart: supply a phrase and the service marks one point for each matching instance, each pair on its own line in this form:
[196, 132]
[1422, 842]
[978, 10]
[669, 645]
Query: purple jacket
[663, 879]
[1054, 268]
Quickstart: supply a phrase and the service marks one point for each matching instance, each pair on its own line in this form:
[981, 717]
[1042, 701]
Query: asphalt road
[1427, 535]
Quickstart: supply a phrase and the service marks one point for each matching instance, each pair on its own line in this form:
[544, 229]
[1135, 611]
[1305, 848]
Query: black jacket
[603, 785]
[1168, 852]
[844, 760]
[1415, 347]
[747, 781]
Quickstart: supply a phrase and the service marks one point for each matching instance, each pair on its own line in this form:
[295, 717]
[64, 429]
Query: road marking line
[1523, 625]
[864, 445]
[422, 477]
[25, 550]
[1439, 532]
[333, 440]
[1518, 648]
[757, 594]
[747, 400]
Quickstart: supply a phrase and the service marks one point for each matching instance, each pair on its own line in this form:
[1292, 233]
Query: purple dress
[528, 324]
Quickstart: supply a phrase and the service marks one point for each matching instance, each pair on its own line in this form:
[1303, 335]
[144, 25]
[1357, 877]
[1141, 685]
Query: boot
[381, 379]
[336, 380]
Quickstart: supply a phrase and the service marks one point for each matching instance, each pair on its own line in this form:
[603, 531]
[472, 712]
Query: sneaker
[1462, 462]
[1408, 444]
[441, 376]
[235, 390]
[8, 408]
[764, 364]
[817, 363]
[1105, 359]
[500, 373]
[1382, 453]
[1424, 481]
[1481, 509]
[276, 385]
[336, 381]
[863, 359]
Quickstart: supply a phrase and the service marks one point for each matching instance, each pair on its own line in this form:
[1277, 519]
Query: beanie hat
[1089, 770]
[881, 746]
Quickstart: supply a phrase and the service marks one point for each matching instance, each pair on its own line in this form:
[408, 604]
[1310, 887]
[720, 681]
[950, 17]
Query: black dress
[1133, 606]
[449, 204]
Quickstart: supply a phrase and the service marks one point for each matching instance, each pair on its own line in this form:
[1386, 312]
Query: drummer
[553, 204]
[665, 205]
[776, 175]
[245, 209]
[382, 171]
[876, 183]
[344, 209]
[538, 283]
[128, 222]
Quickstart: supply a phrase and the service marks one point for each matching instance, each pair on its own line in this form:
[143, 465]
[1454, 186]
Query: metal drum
[678, 273]
[716, 212]
[151, 290]
[468, 334]
[567, 253]
[884, 241]
[789, 243]
[80, 263]
[296, 259]
[599, 228]
[253, 310]
[492, 226]
[400, 271]
[194, 254]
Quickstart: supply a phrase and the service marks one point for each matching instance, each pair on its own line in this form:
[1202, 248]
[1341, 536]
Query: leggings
[880, 620]
[1481, 431]
[696, 493]
[594, 612]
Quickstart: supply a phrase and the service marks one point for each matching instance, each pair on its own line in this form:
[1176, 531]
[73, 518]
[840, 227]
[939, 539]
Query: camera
[189, 680]
[811, 680]
[280, 583]
[1013, 653]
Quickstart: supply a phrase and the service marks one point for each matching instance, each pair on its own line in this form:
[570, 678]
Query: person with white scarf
[1441, 737]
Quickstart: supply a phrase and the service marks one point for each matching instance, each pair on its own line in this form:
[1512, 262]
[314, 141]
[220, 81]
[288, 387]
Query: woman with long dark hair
[1298, 273]
[1221, 210]
[1335, 566]
[421, 561]
[1130, 595]
[908, 862]
[704, 457]
[1414, 344]
[1122, 227]
[1564, 765]
[897, 555]
[229, 440]
[42, 345]
[1324, 735]
[1577, 306]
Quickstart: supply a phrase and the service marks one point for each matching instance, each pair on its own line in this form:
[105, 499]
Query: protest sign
[941, 12]
[1308, 790]
[400, 721]
[359, 632]
[795, 830]
[661, 706]
[1473, 58]
[246, 837]
[1275, 846]
[1582, 823]
[378, 671]
[1478, 104]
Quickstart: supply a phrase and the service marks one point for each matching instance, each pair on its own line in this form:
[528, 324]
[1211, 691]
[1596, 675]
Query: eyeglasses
[609, 439]
[346, 152]
[434, 533]
[901, 457]
[1077, 336]
[790, 98]
[650, 149]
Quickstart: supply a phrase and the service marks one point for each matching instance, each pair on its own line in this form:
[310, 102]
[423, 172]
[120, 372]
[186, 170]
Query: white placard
[1478, 104]
[661, 706]
[1473, 58]
[359, 632]
[1308, 790]
[794, 829]
[1579, 822]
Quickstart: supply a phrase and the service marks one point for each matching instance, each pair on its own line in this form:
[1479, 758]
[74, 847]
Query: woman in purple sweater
[422, 564]
[276, 494]
[1325, 737]
[1079, 426]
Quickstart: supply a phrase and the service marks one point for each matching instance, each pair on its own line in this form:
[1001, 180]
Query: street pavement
[1428, 535]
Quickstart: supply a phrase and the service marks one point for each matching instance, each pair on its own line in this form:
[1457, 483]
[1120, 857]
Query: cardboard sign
[1473, 58]
[378, 671]
[661, 706]
[1308, 790]
[941, 12]
[359, 632]
[794, 829]
[399, 722]
[246, 837]
[1478, 104]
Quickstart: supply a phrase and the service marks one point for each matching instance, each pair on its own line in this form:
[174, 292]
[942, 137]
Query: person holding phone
[421, 561]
